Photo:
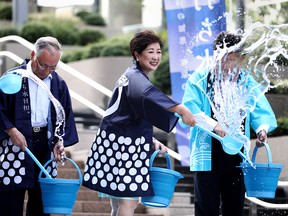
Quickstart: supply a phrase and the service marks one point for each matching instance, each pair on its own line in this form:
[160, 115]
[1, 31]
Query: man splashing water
[220, 94]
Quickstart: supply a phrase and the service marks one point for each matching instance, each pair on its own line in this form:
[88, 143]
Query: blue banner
[192, 27]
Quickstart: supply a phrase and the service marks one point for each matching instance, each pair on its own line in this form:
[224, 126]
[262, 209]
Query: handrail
[86, 102]
[18, 39]
[282, 183]
[61, 65]
[73, 94]
[267, 204]
[12, 56]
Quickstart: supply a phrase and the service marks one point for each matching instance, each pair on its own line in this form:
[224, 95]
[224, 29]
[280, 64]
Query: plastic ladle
[37, 162]
[229, 144]
[10, 83]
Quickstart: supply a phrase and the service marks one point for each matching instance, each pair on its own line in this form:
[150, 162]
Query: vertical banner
[192, 27]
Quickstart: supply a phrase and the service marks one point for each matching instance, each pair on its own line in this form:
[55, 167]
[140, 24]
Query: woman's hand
[186, 115]
[188, 118]
[159, 145]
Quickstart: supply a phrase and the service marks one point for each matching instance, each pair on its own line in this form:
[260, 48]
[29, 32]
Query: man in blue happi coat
[28, 119]
[219, 183]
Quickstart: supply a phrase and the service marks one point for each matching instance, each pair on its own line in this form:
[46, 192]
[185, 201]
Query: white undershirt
[39, 100]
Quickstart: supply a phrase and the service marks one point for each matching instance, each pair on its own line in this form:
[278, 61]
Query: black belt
[39, 129]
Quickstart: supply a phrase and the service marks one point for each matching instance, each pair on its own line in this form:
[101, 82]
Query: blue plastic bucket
[163, 182]
[59, 195]
[261, 180]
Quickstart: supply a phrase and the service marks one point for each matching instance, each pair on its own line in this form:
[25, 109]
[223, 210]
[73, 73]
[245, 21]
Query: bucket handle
[75, 165]
[269, 155]
[166, 156]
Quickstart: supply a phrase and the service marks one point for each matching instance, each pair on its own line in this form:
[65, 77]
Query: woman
[118, 162]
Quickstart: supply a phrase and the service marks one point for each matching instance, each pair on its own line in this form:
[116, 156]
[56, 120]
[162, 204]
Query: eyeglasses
[45, 67]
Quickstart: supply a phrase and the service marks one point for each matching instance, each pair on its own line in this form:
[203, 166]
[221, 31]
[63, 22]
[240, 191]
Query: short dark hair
[226, 39]
[141, 40]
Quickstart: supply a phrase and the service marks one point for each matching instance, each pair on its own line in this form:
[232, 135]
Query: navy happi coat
[118, 162]
[16, 166]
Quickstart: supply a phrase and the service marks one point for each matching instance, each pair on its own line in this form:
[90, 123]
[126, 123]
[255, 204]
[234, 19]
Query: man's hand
[261, 137]
[219, 130]
[17, 138]
[59, 152]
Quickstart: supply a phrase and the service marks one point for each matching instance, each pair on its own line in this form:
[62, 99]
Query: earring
[137, 59]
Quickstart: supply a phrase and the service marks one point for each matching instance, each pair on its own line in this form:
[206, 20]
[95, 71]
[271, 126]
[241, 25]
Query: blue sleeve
[155, 104]
[262, 113]
[195, 98]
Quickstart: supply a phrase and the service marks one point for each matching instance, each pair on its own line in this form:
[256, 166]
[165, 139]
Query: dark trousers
[221, 189]
[225, 191]
[11, 202]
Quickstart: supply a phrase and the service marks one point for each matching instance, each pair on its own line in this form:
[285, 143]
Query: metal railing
[64, 67]
[281, 184]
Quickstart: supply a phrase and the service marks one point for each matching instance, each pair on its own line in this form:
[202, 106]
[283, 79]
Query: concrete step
[96, 206]
[180, 204]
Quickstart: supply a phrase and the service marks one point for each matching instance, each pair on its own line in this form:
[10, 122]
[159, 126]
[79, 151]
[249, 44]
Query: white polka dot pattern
[12, 169]
[118, 163]
[11, 159]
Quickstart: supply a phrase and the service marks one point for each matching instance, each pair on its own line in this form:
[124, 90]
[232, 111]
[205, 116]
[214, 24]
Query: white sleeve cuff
[262, 127]
[205, 121]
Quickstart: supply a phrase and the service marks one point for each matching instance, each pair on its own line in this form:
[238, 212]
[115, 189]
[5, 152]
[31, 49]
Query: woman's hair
[226, 39]
[49, 43]
[141, 40]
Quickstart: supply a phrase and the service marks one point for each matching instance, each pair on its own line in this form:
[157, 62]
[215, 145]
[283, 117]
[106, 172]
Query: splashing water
[60, 114]
[235, 93]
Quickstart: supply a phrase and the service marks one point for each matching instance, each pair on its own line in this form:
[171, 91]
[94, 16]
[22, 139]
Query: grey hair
[49, 43]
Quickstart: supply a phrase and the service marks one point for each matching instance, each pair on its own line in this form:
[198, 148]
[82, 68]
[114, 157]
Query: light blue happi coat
[196, 100]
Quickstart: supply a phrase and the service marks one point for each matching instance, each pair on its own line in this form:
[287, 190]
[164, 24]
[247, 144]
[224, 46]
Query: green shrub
[31, 31]
[95, 49]
[71, 56]
[282, 128]
[82, 14]
[115, 50]
[66, 36]
[106, 48]
[63, 29]
[124, 39]
[5, 11]
[164, 38]
[161, 77]
[88, 36]
[94, 19]
[8, 31]
[91, 18]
